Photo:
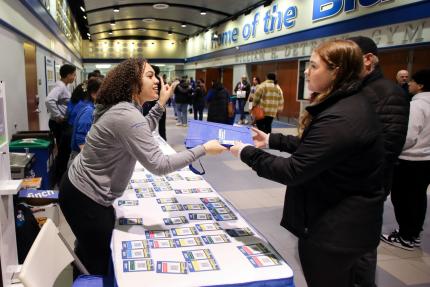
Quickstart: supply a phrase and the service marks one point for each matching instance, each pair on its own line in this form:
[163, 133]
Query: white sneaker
[178, 124]
[184, 125]
[245, 122]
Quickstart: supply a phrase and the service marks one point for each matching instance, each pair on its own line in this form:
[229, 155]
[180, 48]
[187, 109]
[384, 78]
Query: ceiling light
[103, 66]
[173, 43]
[183, 25]
[110, 32]
[82, 8]
[142, 29]
[85, 17]
[203, 12]
[160, 6]
[88, 34]
[116, 9]
[112, 23]
[170, 33]
[148, 20]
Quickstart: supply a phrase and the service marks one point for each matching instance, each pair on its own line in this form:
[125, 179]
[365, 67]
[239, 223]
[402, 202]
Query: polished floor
[260, 202]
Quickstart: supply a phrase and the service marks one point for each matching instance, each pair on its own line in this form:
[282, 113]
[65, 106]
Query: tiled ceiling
[134, 19]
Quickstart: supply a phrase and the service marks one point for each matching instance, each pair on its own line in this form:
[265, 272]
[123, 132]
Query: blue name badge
[200, 132]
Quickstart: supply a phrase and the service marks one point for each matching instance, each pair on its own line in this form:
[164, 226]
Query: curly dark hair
[122, 82]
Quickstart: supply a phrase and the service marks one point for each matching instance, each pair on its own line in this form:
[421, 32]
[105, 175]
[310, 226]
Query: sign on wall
[50, 74]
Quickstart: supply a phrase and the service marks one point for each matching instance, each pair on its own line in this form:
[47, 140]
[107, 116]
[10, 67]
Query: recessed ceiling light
[116, 9]
[85, 17]
[112, 23]
[152, 43]
[203, 12]
[160, 6]
[183, 25]
[82, 8]
[148, 20]
[142, 29]
[110, 32]
[88, 34]
[170, 33]
[173, 43]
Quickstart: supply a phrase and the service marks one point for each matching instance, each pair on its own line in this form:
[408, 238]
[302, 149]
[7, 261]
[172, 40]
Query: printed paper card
[202, 265]
[194, 206]
[194, 190]
[199, 216]
[172, 267]
[225, 217]
[194, 178]
[143, 190]
[187, 242]
[183, 231]
[167, 200]
[135, 253]
[162, 243]
[253, 249]
[155, 234]
[174, 177]
[145, 195]
[134, 244]
[264, 260]
[239, 232]
[215, 205]
[206, 200]
[220, 210]
[172, 207]
[138, 265]
[128, 202]
[161, 186]
[208, 226]
[140, 180]
[130, 221]
[175, 220]
[215, 239]
[197, 254]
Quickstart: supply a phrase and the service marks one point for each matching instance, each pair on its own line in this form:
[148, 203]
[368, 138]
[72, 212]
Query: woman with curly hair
[119, 137]
[334, 199]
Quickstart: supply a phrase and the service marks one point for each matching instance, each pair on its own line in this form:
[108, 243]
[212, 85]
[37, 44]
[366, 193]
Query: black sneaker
[396, 240]
[416, 241]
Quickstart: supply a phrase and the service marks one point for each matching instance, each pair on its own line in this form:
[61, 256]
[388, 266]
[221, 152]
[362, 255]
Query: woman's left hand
[236, 148]
[166, 91]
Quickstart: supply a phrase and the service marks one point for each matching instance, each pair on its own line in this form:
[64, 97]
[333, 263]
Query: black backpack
[26, 228]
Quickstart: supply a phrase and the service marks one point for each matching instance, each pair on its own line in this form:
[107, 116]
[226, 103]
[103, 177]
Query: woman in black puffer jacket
[334, 200]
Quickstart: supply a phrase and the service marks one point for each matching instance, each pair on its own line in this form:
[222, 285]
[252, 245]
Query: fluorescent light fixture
[112, 23]
[160, 6]
[148, 20]
[116, 9]
[85, 17]
[203, 12]
[88, 34]
[160, 65]
[183, 25]
[103, 66]
[110, 32]
[82, 8]
[170, 33]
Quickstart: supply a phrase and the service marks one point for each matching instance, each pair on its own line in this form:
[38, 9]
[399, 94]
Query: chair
[48, 256]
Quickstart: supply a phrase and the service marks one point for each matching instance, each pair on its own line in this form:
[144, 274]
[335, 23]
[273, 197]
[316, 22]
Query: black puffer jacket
[392, 106]
[334, 176]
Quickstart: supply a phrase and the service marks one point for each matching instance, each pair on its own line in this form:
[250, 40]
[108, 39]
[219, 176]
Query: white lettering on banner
[386, 36]
[42, 194]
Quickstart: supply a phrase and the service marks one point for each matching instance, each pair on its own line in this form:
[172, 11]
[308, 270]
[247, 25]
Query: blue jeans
[242, 103]
[181, 109]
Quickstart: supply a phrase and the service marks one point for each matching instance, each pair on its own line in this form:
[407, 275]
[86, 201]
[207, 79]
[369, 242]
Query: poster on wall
[303, 93]
[50, 74]
[2, 115]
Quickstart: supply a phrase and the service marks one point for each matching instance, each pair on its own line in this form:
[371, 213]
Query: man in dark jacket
[392, 107]
[182, 99]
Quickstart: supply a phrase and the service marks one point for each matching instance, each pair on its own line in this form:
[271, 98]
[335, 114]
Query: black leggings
[92, 225]
[265, 124]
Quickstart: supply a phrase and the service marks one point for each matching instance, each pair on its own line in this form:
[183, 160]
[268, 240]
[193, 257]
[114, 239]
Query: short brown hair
[122, 82]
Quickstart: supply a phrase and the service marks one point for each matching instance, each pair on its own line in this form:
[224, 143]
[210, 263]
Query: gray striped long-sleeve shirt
[115, 141]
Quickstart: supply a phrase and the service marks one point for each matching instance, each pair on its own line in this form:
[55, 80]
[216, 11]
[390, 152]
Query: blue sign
[37, 193]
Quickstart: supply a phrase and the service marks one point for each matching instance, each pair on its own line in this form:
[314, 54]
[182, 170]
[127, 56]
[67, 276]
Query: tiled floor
[260, 201]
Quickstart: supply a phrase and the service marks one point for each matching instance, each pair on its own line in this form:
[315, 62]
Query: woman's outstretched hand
[236, 148]
[260, 138]
[213, 147]
[166, 91]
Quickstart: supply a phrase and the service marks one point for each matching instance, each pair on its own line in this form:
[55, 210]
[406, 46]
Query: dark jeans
[265, 124]
[365, 270]
[322, 267]
[56, 129]
[162, 126]
[242, 103]
[409, 196]
[92, 225]
[63, 153]
[198, 109]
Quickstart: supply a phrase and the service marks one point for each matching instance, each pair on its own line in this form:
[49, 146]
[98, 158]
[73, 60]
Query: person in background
[255, 82]
[119, 136]
[147, 106]
[334, 199]
[411, 175]
[218, 99]
[392, 108]
[182, 99]
[402, 78]
[242, 90]
[199, 101]
[56, 104]
[270, 98]
[84, 118]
